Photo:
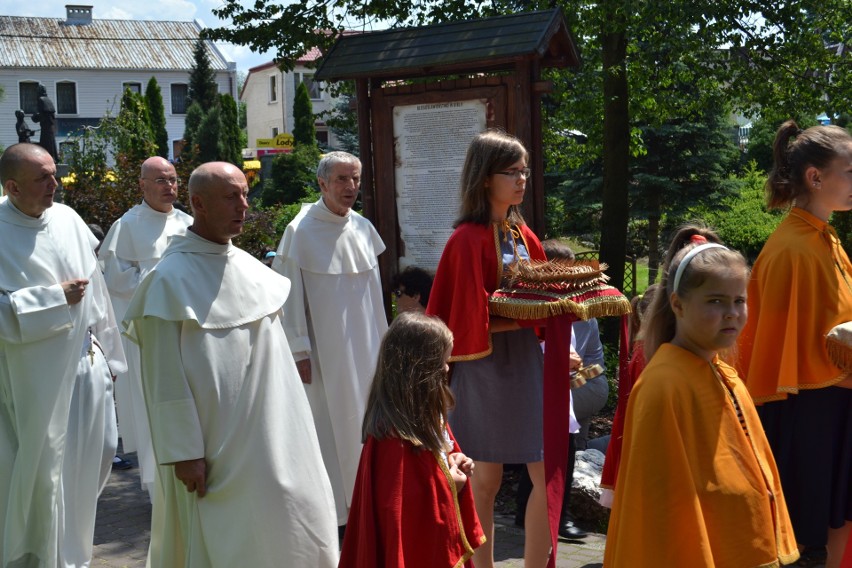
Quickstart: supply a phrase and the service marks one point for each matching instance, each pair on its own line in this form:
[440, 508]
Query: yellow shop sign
[283, 140]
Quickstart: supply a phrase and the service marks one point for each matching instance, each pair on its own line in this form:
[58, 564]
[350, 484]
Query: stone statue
[22, 128]
[46, 116]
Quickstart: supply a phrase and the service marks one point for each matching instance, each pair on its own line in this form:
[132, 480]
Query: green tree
[157, 115]
[293, 176]
[231, 149]
[242, 121]
[208, 136]
[104, 162]
[765, 55]
[304, 131]
[192, 121]
[136, 140]
[342, 120]
[742, 219]
[687, 162]
[202, 79]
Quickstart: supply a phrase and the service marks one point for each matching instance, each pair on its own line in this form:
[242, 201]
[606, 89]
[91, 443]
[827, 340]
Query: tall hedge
[157, 114]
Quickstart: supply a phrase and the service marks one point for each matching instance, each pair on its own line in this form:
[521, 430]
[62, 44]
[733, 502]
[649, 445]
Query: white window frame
[124, 85]
[28, 82]
[76, 97]
[300, 78]
[273, 88]
[171, 99]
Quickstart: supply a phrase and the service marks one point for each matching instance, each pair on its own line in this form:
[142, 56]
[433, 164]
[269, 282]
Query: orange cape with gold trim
[795, 296]
[406, 512]
[693, 490]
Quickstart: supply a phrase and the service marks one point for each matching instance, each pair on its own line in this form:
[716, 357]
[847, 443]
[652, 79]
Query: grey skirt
[498, 412]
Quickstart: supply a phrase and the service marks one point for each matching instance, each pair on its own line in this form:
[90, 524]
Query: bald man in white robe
[58, 341]
[240, 479]
[132, 247]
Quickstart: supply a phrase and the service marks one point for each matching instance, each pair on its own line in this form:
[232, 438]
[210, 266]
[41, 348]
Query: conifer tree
[229, 132]
[207, 137]
[194, 116]
[304, 131]
[202, 79]
[157, 114]
[137, 143]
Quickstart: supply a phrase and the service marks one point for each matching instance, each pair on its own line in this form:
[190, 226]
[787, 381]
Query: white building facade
[85, 64]
[268, 94]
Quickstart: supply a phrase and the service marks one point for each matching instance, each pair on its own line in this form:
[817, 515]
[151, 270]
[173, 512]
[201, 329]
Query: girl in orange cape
[412, 506]
[697, 484]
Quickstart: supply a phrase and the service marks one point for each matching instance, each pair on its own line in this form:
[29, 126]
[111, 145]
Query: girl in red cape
[412, 506]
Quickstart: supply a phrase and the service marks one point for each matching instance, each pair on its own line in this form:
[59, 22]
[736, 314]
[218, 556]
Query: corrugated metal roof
[418, 51]
[102, 44]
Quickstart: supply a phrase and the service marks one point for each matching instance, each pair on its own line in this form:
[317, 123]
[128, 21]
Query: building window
[314, 87]
[273, 89]
[180, 92]
[322, 137]
[274, 131]
[133, 86]
[66, 97]
[28, 91]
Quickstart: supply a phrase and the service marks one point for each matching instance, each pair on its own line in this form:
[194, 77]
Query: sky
[182, 10]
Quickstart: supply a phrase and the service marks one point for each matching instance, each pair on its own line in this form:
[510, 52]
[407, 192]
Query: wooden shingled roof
[488, 44]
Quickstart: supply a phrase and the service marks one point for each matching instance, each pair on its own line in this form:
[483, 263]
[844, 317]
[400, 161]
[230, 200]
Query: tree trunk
[616, 149]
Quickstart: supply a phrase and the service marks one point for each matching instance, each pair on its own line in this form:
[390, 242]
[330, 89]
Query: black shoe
[568, 530]
[121, 463]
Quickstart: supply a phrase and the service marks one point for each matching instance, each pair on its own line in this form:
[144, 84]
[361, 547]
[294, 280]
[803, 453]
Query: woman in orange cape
[802, 287]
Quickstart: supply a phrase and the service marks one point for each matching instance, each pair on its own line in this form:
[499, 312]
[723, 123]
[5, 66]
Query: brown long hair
[488, 153]
[410, 397]
[794, 151]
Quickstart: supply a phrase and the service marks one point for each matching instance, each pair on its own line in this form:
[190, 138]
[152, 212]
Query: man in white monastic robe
[335, 316]
[132, 247]
[58, 341]
[240, 480]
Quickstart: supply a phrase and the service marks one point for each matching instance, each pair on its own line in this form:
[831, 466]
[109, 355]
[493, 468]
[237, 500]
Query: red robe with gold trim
[468, 273]
[406, 511]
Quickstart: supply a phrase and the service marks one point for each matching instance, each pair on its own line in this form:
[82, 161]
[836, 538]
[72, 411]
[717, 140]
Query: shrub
[292, 176]
[742, 220]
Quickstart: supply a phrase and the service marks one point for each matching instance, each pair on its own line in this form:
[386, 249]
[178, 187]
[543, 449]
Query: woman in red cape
[497, 377]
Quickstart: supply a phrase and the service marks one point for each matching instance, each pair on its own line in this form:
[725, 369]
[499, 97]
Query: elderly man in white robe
[240, 479]
[132, 247]
[335, 316]
[58, 348]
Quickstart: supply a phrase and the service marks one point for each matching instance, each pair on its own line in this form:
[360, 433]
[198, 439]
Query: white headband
[688, 257]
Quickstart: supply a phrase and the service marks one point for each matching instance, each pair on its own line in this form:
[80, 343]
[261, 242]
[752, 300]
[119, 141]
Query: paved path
[124, 520]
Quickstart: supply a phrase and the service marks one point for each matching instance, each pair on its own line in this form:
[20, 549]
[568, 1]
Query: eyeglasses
[517, 173]
[165, 181]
